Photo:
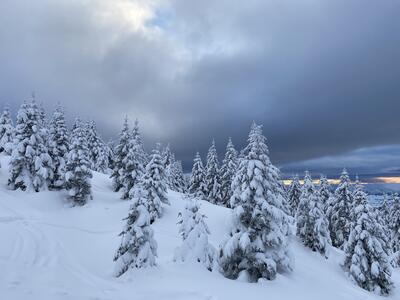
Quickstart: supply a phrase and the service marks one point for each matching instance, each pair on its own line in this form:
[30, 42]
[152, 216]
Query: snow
[50, 250]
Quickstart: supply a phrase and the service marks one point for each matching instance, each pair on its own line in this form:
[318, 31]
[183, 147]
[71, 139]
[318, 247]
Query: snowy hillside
[50, 250]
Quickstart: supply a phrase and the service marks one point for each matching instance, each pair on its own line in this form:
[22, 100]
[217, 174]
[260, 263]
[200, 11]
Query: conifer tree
[312, 225]
[154, 182]
[58, 147]
[366, 252]
[197, 185]
[338, 212]
[294, 194]
[227, 172]
[212, 179]
[30, 164]
[324, 192]
[394, 226]
[177, 180]
[194, 233]
[78, 173]
[384, 210]
[120, 152]
[98, 155]
[6, 131]
[138, 248]
[257, 245]
[132, 164]
[144, 159]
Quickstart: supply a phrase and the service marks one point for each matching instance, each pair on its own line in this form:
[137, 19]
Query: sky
[321, 76]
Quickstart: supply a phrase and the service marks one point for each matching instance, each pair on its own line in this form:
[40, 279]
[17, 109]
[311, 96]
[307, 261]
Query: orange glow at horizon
[380, 179]
[388, 179]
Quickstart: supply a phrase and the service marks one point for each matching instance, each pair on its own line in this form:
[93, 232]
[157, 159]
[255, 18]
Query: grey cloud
[321, 76]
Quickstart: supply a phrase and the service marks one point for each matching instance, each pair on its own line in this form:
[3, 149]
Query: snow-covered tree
[30, 164]
[144, 159]
[154, 182]
[197, 185]
[120, 152]
[384, 210]
[324, 191]
[212, 180]
[177, 180]
[98, 154]
[58, 147]
[194, 232]
[138, 248]
[312, 225]
[367, 255]
[132, 164]
[294, 194]
[78, 173]
[394, 226]
[338, 211]
[258, 242]
[6, 131]
[227, 172]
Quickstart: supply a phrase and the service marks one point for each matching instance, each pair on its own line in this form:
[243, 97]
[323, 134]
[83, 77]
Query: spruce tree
[312, 225]
[132, 165]
[177, 181]
[138, 248]
[58, 147]
[324, 191]
[258, 242]
[338, 212]
[98, 155]
[384, 210]
[394, 226]
[294, 194]
[227, 172]
[78, 173]
[30, 164]
[212, 179]
[120, 152]
[6, 131]
[367, 254]
[197, 185]
[144, 159]
[154, 182]
[194, 233]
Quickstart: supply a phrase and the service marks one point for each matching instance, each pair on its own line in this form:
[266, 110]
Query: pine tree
[78, 173]
[312, 225]
[258, 240]
[30, 164]
[132, 165]
[338, 212]
[58, 147]
[227, 172]
[154, 182]
[213, 186]
[194, 232]
[384, 210]
[138, 248]
[324, 191]
[6, 131]
[137, 136]
[98, 155]
[197, 185]
[177, 180]
[394, 226]
[120, 152]
[294, 194]
[366, 252]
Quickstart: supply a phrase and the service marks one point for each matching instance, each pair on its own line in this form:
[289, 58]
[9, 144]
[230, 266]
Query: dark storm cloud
[322, 76]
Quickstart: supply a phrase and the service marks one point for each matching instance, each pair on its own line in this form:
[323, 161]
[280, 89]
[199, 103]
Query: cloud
[321, 76]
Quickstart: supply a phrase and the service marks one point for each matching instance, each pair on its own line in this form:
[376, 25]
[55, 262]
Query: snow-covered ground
[49, 250]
